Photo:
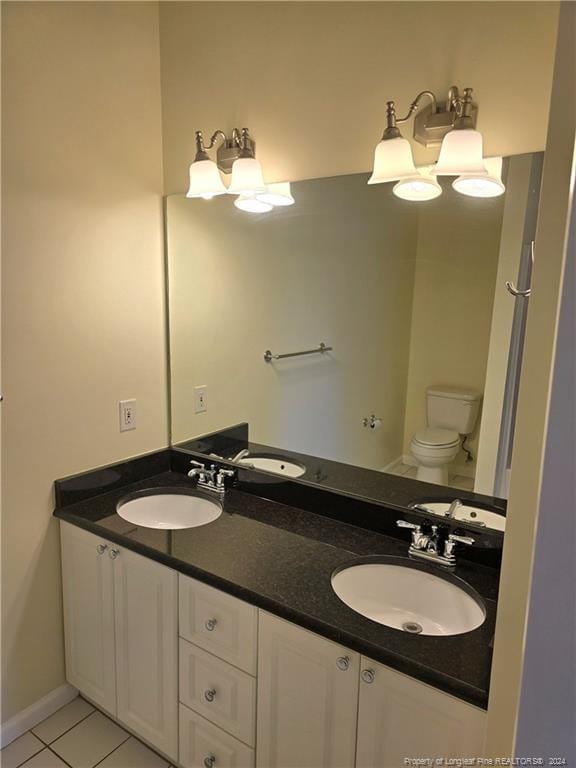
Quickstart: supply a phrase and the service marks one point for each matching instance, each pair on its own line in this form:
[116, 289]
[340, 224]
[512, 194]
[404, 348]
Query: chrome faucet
[241, 455]
[210, 478]
[456, 504]
[433, 546]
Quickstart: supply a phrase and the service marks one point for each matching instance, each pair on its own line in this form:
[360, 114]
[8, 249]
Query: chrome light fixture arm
[238, 144]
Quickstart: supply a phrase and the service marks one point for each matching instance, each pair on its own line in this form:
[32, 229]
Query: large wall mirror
[424, 337]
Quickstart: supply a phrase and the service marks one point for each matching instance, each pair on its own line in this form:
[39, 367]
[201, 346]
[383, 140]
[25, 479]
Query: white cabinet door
[307, 699]
[88, 591]
[401, 718]
[146, 597]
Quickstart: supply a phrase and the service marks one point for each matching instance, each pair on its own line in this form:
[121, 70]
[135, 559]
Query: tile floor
[457, 481]
[78, 736]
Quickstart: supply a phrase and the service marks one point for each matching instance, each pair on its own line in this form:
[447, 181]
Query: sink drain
[412, 627]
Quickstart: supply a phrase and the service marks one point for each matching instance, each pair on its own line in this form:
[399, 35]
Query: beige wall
[337, 267]
[456, 263]
[311, 79]
[83, 322]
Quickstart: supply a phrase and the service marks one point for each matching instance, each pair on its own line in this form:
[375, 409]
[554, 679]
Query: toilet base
[437, 475]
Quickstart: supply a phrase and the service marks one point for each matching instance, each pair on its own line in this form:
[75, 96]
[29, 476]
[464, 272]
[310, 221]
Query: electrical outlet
[200, 399]
[127, 413]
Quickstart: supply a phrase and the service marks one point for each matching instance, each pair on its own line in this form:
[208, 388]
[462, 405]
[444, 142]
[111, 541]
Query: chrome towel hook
[511, 288]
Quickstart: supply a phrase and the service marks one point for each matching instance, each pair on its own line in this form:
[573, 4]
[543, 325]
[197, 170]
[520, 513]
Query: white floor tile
[45, 759]
[60, 722]
[20, 750]
[90, 741]
[133, 754]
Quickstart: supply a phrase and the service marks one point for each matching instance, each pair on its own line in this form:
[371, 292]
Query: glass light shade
[277, 194]
[419, 187]
[251, 204]
[460, 154]
[482, 185]
[392, 161]
[205, 180]
[247, 177]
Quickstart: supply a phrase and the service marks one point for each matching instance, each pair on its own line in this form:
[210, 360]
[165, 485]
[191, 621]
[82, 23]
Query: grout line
[128, 736]
[59, 757]
[63, 732]
[31, 756]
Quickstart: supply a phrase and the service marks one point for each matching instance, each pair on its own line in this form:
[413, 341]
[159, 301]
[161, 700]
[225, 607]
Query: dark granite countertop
[281, 558]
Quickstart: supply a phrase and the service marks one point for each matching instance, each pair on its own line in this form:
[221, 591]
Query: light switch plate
[200, 399]
[127, 415]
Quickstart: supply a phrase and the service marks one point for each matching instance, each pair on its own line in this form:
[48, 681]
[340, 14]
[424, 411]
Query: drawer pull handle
[211, 624]
[210, 695]
[101, 548]
[343, 662]
[210, 761]
[114, 553]
[368, 675]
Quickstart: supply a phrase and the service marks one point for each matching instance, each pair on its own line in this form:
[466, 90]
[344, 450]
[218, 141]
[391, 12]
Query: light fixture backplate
[430, 127]
[229, 151]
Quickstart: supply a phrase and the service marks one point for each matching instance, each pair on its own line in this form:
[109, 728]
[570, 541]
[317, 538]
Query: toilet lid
[438, 437]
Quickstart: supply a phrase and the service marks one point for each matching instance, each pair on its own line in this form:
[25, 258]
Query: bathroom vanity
[226, 645]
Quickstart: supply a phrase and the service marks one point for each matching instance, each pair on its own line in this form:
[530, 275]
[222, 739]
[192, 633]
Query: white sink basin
[468, 513]
[279, 466]
[408, 599]
[169, 510]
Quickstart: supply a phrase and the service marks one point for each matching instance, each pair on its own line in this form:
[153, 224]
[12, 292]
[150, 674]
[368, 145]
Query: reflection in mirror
[413, 342]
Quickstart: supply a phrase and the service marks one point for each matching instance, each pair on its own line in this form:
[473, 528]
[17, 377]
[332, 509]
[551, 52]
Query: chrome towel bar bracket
[321, 349]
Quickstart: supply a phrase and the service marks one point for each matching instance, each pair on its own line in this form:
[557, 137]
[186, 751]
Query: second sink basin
[409, 599]
[275, 464]
[169, 508]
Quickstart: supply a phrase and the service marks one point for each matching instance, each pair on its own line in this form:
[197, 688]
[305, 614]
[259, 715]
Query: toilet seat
[433, 437]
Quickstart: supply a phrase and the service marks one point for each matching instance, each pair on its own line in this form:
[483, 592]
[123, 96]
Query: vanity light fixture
[235, 155]
[453, 124]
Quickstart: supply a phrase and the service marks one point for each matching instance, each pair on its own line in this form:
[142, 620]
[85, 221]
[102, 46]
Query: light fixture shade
[460, 154]
[247, 177]
[420, 187]
[482, 185]
[392, 161]
[205, 180]
[277, 194]
[252, 204]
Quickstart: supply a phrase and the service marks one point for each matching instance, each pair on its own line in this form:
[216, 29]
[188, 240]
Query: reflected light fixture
[453, 124]
[488, 184]
[277, 194]
[421, 186]
[236, 156]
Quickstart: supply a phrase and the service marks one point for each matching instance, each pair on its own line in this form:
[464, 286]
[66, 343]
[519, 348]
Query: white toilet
[451, 412]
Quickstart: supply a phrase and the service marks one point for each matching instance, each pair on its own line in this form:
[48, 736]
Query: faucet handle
[406, 524]
[461, 539]
[194, 463]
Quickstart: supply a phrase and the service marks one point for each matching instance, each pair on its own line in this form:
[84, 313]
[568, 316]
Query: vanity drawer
[221, 693]
[202, 745]
[219, 623]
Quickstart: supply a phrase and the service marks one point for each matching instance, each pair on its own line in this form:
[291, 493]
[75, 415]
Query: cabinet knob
[114, 553]
[368, 675]
[343, 662]
[211, 624]
[101, 548]
[210, 695]
[210, 761]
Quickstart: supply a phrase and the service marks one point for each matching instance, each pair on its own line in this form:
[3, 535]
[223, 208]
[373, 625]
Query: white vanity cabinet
[307, 698]
[400, 718]
[121, 636]
[213, 682]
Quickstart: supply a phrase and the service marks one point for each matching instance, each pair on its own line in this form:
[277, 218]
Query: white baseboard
[392, 465]
[462, 470]
[35, 713]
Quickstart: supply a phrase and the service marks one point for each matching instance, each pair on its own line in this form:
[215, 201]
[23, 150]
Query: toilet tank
[453, 408]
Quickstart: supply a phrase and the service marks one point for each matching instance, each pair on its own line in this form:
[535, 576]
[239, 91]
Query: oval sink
[409, 599]
[169, 509]
[275, 464]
